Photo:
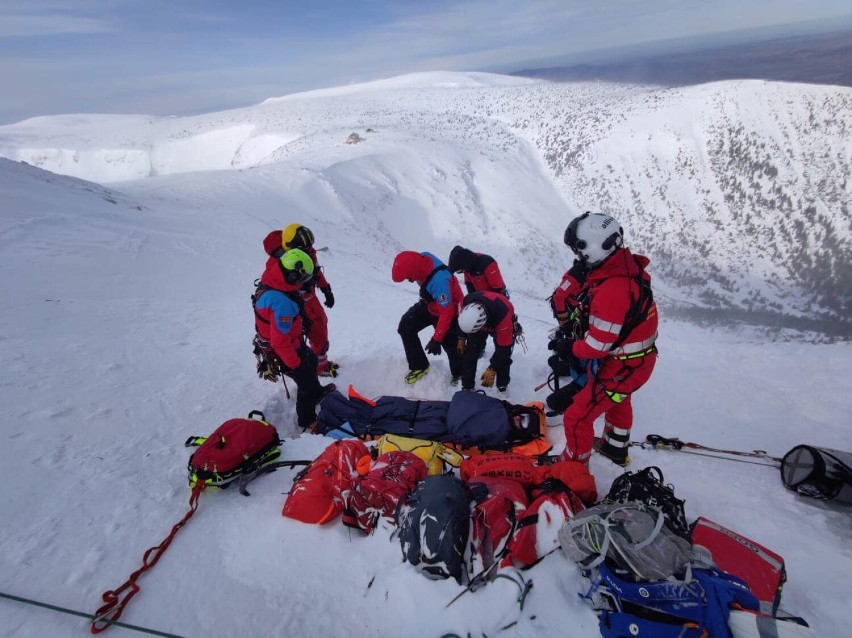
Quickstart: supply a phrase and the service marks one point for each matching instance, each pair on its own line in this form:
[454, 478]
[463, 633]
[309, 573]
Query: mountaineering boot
[617, 455]
[414, 376]
[326, 367]
[330, 369]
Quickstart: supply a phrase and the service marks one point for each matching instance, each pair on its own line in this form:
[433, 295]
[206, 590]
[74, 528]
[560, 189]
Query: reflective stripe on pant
[617, 437]
[579, 419]
[623, 377]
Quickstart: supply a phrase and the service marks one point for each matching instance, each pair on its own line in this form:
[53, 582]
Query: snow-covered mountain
[738, 190]
[127, 327]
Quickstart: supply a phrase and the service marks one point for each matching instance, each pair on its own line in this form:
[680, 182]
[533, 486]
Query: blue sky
[187, 56]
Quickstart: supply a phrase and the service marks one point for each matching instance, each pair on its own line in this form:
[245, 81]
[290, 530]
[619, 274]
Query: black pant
[308, 391]
[500, 362]
[412, 322]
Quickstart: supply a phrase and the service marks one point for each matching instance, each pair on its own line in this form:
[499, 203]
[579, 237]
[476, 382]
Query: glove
[266, 372]
[460, 346]
[329, 297]
[562, 347]
[564, 318]
[488, 377]
[433, 347]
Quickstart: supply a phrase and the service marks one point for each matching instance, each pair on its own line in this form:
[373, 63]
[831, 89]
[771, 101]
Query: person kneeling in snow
[621, 320]
[279, 343]
[485, 313]
[301, 237]
[440, 296]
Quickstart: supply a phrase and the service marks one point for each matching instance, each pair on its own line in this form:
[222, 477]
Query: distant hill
[737, 190]
[815, 59]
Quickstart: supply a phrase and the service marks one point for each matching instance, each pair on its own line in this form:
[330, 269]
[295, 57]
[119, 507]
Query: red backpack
[320, 490]
[237, 449]
[576, 476]
[552, 502]
[388, 483]
[512, 466]
[500, 503]
[732, 552]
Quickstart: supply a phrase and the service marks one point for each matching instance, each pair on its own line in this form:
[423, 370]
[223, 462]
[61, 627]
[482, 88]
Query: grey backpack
[630, 536]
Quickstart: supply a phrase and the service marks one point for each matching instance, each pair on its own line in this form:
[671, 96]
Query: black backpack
[648, 487]
[434, 527]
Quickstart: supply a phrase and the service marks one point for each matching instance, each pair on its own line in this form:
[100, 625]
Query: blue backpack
[700, 603]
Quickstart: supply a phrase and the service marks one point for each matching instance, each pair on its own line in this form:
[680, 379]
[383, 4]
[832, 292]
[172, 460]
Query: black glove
[433, 347]
[329, 297]
[562, 347]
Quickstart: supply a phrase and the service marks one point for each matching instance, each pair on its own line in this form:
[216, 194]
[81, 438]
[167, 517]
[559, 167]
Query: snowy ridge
[738, 190]
[127, 327]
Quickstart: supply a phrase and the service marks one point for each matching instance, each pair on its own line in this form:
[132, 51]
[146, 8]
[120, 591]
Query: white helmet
[593, 237]
[472, 318]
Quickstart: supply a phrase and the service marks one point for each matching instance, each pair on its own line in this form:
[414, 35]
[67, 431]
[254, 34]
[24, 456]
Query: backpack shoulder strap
[639, 306]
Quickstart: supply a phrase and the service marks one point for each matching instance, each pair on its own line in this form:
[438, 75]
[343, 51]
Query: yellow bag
[433, 453]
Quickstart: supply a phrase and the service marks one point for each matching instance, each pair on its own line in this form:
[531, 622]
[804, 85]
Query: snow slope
[127, 328]
[738, 190]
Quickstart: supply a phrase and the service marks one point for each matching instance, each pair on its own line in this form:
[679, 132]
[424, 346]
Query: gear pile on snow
[501, 511]
[652, 576]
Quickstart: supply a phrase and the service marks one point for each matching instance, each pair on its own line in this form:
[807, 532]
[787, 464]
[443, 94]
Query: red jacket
[566, 293]
[278, 317]
[489, 281]
[611, 288]
[500, 315]
[439, 289]
[481, 272]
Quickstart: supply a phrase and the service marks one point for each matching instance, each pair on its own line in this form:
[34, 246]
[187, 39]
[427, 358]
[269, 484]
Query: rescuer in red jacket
[483, 314]
[440, 297]
[279, 343]
[301, 237]
[607, 293]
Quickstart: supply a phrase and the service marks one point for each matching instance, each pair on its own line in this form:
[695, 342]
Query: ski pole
[675, 444]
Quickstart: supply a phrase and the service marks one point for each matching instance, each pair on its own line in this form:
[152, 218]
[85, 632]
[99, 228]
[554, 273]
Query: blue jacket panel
[283, 309]
[439, 285]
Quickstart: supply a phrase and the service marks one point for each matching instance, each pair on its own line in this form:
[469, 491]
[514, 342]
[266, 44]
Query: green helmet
[298, 266]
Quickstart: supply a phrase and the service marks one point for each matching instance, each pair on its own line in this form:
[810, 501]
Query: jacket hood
[411, 265]
[273, 242]
[273, 276]
[461, 259]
